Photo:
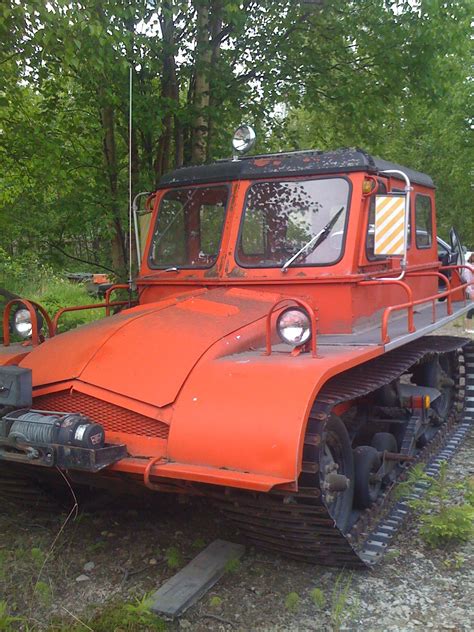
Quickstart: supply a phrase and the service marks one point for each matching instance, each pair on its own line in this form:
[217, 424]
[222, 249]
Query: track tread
[298, 524]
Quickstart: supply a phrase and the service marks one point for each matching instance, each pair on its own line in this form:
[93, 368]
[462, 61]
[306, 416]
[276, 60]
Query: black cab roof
[297, 163]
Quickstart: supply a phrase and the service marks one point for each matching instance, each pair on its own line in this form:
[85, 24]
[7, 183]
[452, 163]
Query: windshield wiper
[315, 241]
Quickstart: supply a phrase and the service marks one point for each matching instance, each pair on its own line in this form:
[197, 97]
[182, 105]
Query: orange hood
[147, 352]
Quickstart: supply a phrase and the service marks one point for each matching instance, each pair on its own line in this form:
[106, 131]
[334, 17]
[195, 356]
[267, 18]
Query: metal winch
[34, 427]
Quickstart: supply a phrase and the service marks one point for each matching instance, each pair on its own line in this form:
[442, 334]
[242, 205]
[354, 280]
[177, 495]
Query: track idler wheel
[366, 484]
[336, 471]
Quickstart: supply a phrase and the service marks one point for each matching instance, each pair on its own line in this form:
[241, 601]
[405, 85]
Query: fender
[266, 399]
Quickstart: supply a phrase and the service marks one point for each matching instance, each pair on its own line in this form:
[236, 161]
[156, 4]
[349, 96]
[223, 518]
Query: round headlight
[244, 139]
[294, 326]
[22, 323]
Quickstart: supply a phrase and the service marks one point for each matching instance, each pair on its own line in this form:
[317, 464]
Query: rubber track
[297, 524]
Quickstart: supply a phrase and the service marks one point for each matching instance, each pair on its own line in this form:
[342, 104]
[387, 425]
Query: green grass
[52, 291]
[55, 293]
[7, 621]
[215, 602]
[174, 559]
[292, 601]
[115, 617]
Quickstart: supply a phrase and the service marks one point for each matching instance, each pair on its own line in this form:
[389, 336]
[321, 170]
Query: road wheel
[366, 485]
[384, 442]
[336, 471]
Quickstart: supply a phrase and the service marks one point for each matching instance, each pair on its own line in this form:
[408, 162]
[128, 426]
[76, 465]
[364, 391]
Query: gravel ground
[116, 553]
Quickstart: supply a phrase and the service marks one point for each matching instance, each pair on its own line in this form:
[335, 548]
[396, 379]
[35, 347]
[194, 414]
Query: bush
[292, 601]
[6, 620]
[318, 598]
[446, 510]
[28, 278]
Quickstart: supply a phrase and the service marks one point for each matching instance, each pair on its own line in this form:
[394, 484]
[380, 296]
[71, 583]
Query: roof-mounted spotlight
[243, 140]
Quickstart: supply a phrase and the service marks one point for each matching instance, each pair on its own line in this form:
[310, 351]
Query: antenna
[130, 211]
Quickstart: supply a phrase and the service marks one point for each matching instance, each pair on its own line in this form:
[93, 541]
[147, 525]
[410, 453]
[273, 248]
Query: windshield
[280, 218]
[189, 228]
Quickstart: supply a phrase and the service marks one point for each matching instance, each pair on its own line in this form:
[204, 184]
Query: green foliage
[215, 602]
[126, 617]
[44, 593]
[318, 598]
[392, 554]
[292, 601]
[4, 558]
[37, 557]
[173, 557]
[343, 608]
[7, 620]
[455, 562]
[198, 543]
[232, 565]
[443, 518]
[393, 80]
[30, 279]
[139, 612]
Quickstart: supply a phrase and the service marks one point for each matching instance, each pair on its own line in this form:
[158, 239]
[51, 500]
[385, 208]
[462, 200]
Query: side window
[424, 221]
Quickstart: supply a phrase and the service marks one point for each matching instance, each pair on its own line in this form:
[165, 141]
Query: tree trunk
[170, 92]
[201, 85]
[216, 28]
[110, 153]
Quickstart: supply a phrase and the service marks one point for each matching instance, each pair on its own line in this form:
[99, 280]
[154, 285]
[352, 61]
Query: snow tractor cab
[278, 358]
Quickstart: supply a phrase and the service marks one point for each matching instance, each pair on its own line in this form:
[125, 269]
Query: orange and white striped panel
[389, 224]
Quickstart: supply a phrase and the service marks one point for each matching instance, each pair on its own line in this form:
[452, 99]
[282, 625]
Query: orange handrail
[427, 299]
[402, 284]
[464, 266]
[78, 308]
[31, 306]
[312, 315]
[440, 276]
[113, 288]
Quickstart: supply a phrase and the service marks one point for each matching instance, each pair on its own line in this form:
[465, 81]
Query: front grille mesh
[111, 417]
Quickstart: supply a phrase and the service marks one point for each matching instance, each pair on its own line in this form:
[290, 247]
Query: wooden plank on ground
[186, 587]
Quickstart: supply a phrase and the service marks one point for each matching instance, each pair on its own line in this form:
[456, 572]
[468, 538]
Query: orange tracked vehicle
[278, 356]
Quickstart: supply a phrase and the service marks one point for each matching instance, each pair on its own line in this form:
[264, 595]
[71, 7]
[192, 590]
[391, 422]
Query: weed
[6, 620]
[140, 607]
[232, 565]
[173, 557]
[44, 593]
[96, 546]
[456, 562]
[341, 608]
[318, 597]
[215, 602]
[37, 557]
[4, 557]
[442, 520]
[126, 617]
[393, 554]
[292, 601]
